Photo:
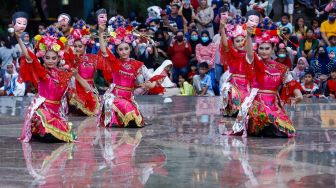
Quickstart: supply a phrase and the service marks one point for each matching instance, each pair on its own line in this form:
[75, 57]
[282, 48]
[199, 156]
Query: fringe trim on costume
[79, 104]
[129, 117]
[61, 135]
[286, 127]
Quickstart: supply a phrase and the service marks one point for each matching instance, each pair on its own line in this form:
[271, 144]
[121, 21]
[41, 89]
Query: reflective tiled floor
[181, 147]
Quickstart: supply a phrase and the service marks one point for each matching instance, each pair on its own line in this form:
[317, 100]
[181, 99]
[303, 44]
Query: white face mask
[10, 30]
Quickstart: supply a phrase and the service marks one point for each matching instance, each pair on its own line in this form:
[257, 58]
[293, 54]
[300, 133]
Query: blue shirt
[332, 48]
[178, 20]
[206, 81]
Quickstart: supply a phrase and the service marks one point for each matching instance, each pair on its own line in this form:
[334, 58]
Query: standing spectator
[285, 23]
[161, 46]
[187, 12]
[7, 55]
[289, 9]
[167, 23]
[205, 17]
[175, 17]
[328, 27]
[202, 82]
[206, 52]
[300, 28]
[12, 87]
[179, 52]
[332, 47]
[308, 45]
[259, 6]
[299, 70]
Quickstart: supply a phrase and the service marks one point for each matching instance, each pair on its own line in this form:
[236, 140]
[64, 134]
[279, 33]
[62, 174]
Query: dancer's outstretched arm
[101, 30]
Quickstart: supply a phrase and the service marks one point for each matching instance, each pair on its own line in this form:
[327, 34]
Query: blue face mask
[194, 37]
[205, 39]
[331, 18]
[282, 55]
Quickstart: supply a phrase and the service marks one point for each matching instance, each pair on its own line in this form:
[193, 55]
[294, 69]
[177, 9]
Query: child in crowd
[186, 89]
[309, 88]
[332, 47]
[202, 81]
[283, 57]
[193, 70]
[330, 88]
[12, 86]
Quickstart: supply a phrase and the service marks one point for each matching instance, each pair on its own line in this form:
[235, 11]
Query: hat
[285, 30]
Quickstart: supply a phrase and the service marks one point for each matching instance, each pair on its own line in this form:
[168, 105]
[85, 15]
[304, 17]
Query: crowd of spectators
[186, 32]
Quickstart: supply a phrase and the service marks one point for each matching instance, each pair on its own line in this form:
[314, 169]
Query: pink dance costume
[45, 117]
[118, 107]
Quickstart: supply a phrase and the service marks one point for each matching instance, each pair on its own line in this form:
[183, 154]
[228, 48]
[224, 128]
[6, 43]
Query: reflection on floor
[182, 146]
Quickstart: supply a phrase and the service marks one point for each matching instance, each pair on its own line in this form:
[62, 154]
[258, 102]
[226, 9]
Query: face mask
[10, 30]
[205, 39]
[179, 38]
[194, 37]
[282, 55]
[331, 18]
[154, 28]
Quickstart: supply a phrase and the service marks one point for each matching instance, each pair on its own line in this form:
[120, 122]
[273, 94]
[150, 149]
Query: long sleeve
[108, 64]
[32, 71]
[188, 50]
[198, 53]
[213, 54]
[20, 88]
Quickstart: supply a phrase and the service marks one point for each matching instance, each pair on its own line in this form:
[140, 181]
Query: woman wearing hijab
[321, 63]
[206, 52]
[299, 70]
[12, 87]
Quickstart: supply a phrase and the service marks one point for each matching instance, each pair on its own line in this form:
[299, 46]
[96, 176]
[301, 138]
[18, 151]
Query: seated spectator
[328, 27]
[330, 88]
[283, 56]
[161, 45]
[195, 39]
[309, 88]
[332, 46]
[193, 70]
[308, 45]
[12, 87]
[26, 40]
[319, 64]
[179, 52]
[291, 43]
[299, 70]
[300, 29]
[315, 23]
[285, 23]
[7, 54]
[202, 81]
[186, 89]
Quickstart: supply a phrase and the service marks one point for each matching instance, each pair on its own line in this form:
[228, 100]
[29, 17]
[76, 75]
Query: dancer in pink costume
[45, 117]
[262, 112]
[118, 107]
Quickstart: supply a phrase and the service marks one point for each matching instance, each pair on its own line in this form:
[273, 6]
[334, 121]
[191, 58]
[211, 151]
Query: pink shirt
[206, 53]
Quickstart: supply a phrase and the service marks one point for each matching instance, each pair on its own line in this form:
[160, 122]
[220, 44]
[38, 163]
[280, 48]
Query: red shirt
[287, 62]
[179, 54]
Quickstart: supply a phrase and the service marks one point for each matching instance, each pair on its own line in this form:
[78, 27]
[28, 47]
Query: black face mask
[179, 38]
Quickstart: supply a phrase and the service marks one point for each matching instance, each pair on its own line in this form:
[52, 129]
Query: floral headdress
[79, 31]
[235, 27]
[267, 32]
[120, 31]
[51, 39]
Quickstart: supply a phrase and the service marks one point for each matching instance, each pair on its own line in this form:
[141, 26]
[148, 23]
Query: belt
[124, 88]
[239, 75]
[267, 91]
[52, 102]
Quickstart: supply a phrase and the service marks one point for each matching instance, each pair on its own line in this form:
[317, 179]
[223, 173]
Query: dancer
[236, 81]
[84, 97]
[45, 117]
[262, 113]
[118, 107]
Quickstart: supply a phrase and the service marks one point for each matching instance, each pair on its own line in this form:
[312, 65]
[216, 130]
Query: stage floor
[182, 146]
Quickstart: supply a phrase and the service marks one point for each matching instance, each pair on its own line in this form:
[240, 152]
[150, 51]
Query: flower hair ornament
[51, 39]
[79, 31]
[235, 27]
[120, 31]
[267, 32]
